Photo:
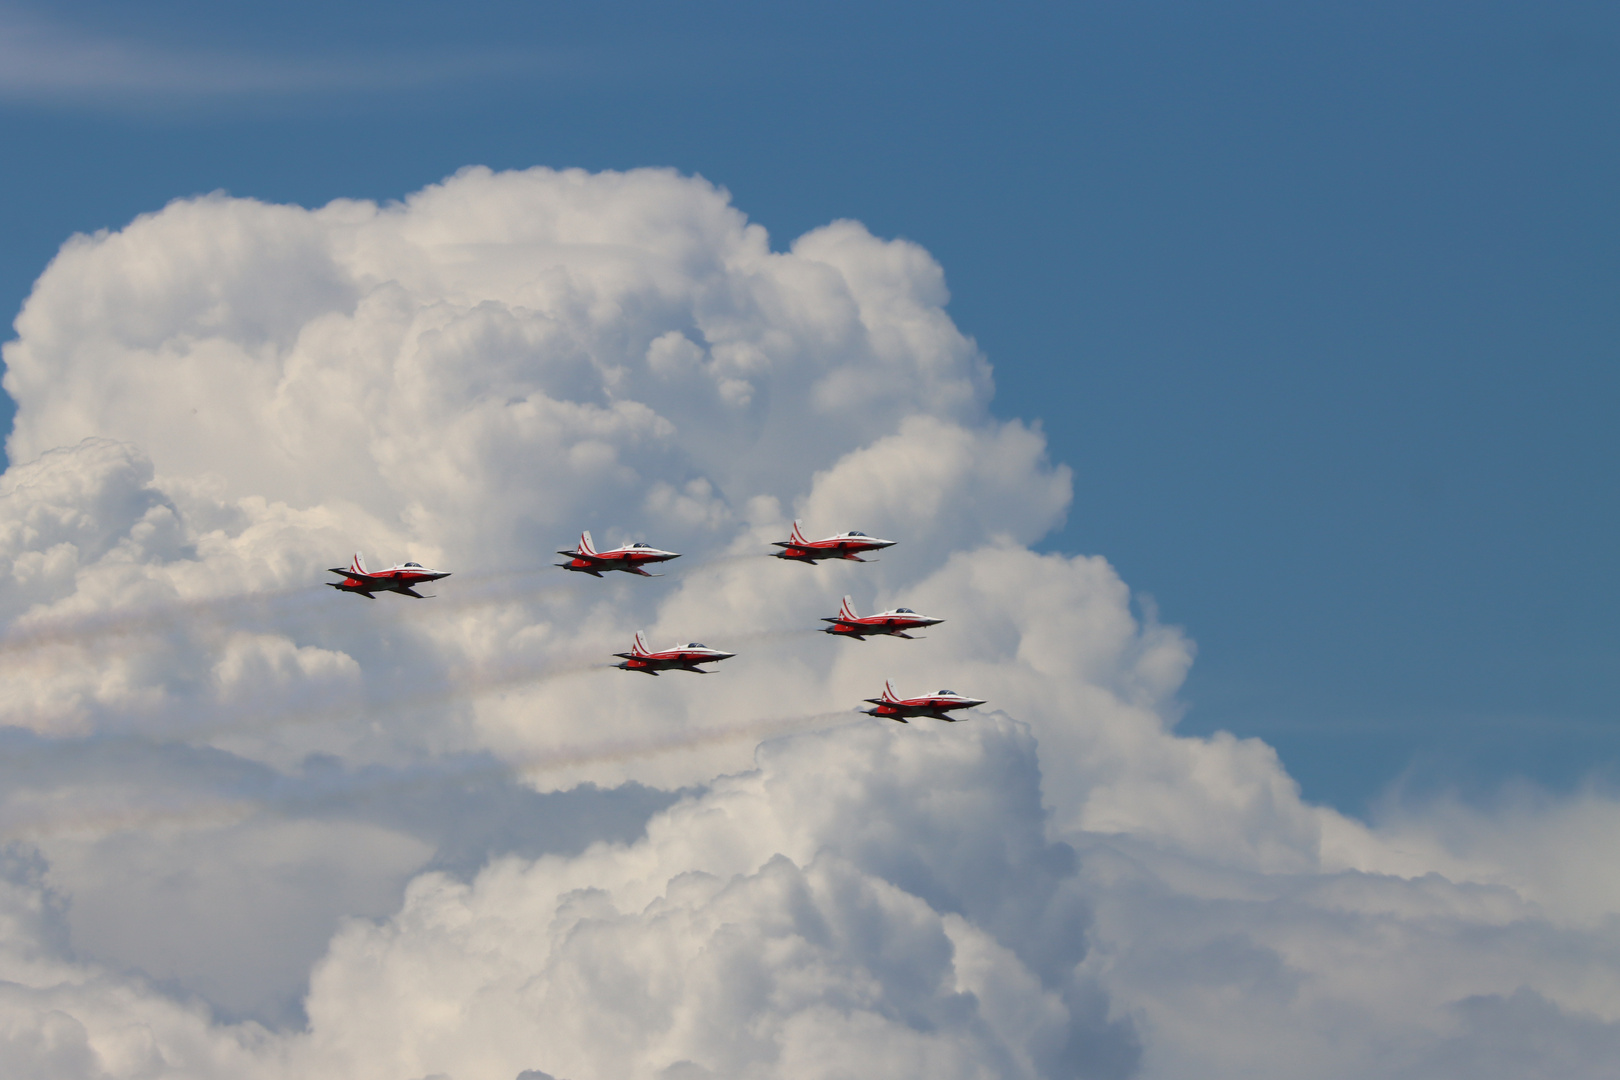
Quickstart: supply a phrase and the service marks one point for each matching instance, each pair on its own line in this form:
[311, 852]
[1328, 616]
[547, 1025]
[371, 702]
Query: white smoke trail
[93, 627]
[37, 820]
[258, 606]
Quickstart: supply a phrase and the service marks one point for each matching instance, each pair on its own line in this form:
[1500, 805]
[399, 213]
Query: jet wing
[357, 591]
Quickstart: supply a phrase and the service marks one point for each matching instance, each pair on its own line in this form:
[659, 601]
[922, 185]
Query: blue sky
[1318, 301]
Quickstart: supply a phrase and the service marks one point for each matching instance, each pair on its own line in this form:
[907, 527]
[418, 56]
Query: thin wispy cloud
[49, 62]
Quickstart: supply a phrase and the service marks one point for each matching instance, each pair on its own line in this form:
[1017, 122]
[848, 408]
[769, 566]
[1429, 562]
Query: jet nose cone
[724, 655]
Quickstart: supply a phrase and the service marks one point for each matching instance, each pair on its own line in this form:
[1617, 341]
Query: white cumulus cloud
[256, 828]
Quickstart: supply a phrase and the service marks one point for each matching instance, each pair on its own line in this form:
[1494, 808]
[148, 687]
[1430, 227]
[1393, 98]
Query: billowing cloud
[260, 829]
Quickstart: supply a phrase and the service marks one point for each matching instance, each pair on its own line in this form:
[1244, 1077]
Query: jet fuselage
[681, 658]
[938, 706]
[630, 558]
[396, 579]
[893, 623]
[848, 545]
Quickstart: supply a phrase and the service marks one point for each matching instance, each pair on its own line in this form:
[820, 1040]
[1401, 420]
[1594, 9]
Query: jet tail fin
[888, 691]
[359, 564]
[797, 535]
[847, 611]
[641, 645]
[586, 545]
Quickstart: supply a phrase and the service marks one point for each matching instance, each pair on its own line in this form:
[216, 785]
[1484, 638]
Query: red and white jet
[629, 558]
[398, 579]
[848, 545]
[895, 707]
[894, 623]
[681, 658]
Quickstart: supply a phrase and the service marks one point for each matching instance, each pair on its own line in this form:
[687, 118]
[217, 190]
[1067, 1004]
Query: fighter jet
[843, 546]
[398, 579]
[681, 658]
[894, 623]
[629, 558]
[938, 705]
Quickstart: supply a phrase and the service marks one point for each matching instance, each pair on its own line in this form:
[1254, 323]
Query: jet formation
[631, 558]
